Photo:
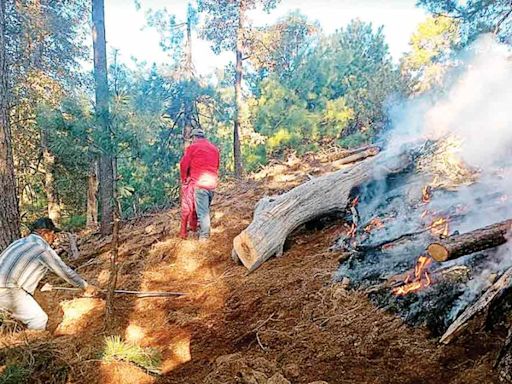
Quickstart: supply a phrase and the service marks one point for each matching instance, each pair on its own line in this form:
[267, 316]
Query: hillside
[286, 322]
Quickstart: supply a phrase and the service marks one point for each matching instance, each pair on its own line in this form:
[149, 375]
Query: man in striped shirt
[23, 264]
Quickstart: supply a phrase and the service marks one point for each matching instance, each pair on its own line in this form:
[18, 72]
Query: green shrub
[117, 349]
[74, 223]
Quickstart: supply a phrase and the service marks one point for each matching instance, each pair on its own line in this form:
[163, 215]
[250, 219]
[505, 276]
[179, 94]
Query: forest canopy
[293, 88]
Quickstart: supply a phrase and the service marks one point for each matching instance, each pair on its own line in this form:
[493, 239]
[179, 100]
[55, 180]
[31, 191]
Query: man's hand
[92, 291]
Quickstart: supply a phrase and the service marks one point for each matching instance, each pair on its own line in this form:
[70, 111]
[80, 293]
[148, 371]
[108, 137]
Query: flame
[375, 223]
[355, 201]
[352, 231]
[426, 193]
[420, 280]
[440, 227]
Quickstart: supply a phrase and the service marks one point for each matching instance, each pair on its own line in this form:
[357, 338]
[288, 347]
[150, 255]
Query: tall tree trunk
[187, 76]
[9, 210]
[237, 154]
[92, 199]
[52, 198]
[106, 169]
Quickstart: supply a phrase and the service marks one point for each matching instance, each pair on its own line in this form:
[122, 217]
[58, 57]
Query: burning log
[478, 240]
[481, 305]
[276, 217]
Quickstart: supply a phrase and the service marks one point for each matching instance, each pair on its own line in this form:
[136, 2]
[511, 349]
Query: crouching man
[23, 264]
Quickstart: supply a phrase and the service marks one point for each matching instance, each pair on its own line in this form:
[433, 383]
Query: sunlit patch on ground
[134, 333]
[123, 373]
[179, 349]
[79, 315]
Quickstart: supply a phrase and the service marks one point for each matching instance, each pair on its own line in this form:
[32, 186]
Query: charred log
[481, 305]
[478, 240]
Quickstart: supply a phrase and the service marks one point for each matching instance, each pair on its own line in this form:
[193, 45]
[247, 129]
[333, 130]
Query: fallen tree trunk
[276, 217]
[491, 295]
[478, 240]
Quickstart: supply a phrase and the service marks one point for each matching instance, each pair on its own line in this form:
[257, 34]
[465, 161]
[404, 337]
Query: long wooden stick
[491, 295]
[47, 288]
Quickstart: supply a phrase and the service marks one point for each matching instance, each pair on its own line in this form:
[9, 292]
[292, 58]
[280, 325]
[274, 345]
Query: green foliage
[73, 223]
[117, 349]
[340, 87]
[476, 16]
[431, 47]
[15, 374]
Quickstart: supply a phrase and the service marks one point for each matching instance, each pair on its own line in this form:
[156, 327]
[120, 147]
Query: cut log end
[244, 249]
[438, 252]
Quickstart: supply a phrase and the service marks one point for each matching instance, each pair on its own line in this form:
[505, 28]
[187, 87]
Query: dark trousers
[203, 200]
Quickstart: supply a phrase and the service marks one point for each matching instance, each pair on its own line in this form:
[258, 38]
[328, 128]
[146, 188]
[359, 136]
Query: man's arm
[51, 260]
[185, 165]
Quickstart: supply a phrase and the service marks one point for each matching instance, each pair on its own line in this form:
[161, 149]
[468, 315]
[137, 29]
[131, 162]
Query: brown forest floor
[288, 317]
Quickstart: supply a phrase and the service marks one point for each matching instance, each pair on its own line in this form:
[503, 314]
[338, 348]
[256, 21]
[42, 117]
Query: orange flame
[352, 231]
[425, 194]
[440, 227]
[375, 223]
[420, 280]
[355, 201]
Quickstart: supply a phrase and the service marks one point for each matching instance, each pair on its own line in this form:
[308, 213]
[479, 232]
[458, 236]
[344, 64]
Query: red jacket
[200, 164]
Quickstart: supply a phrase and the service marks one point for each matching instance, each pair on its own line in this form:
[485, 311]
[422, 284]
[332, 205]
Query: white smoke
[475, 107]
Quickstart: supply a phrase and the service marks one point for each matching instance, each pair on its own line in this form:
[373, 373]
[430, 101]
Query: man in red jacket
[199, 171]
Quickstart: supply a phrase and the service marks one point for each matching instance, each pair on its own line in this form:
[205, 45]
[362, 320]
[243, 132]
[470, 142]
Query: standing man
[199, 170]
[23, 264]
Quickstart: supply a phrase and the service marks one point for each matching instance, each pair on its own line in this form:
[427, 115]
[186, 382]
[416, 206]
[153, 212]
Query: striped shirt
[25, 262]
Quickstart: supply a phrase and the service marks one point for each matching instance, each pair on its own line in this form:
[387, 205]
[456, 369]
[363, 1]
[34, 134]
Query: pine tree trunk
[54, 211]
[9, 210]
[188, 74]
[106, 169]
[92, 199]
[237, 154]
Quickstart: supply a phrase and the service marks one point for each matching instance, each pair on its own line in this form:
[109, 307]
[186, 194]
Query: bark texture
[478, 240]
[9, 210]
[92, 199]
[106, 167]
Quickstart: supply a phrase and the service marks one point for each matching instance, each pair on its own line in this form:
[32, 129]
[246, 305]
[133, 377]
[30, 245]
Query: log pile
[400, 219]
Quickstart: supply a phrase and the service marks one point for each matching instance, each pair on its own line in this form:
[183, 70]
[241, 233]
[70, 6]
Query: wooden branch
[276, 217]
[478, 240]
[481, 305]
[357, 156]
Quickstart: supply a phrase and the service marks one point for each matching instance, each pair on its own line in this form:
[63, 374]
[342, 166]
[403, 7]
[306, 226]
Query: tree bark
[54, 209]
[106, 169]
[276, 217]
[478, 240]
[237, 152]
[9, 209]
[92, 199]
[481, 305]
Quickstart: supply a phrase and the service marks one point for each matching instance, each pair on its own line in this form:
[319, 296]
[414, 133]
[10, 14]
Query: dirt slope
[287, 318]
